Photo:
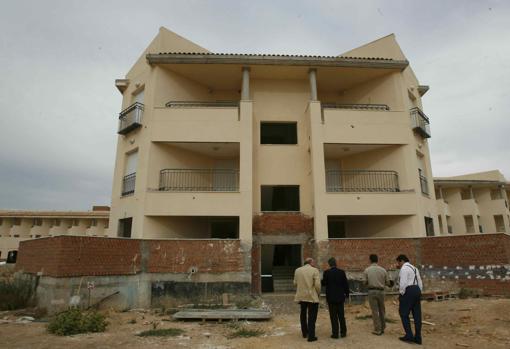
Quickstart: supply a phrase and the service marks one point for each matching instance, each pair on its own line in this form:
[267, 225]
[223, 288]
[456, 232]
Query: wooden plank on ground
[223, 314]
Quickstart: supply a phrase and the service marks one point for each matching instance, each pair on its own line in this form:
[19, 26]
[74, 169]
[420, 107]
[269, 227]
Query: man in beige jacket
[308, 282]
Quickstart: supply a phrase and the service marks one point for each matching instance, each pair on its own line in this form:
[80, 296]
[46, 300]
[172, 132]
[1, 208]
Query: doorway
[277, 266]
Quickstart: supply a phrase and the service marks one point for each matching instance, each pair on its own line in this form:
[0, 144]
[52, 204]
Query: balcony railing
[128, 184]
[420, 122]
[130, 118]
[424, 183]
[361, 181]
[204, 104]
[332, 105]
[199, 180]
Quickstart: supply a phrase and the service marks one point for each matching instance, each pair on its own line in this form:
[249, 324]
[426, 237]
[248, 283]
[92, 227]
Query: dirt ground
[471, 323]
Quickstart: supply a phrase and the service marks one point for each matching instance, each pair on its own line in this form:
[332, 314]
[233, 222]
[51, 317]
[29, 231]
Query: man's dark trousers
[336, 315]
[410, 302]
[308, 325]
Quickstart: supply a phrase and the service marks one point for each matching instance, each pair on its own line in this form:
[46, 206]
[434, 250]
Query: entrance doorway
[277, 266]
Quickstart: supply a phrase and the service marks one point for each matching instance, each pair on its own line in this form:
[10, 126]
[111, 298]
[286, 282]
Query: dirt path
[475, 323]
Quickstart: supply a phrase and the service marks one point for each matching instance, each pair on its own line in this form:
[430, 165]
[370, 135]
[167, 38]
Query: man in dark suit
[337, 290]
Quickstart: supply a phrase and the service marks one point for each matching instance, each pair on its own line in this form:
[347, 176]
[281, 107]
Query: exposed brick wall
[66, 256]
[352, 254]
[210, 256]
[282, 223]
[255, 268]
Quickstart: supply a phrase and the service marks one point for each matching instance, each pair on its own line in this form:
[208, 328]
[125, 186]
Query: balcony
[128, 184]
[199, 180]
[130, 118]
[424, 184]
[361, 181]
[420, 122]
[364, 123]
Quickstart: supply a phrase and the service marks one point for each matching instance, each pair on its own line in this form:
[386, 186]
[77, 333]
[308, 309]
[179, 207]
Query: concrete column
[245, 172]
[312, 74]
[245, 89]
[318, 171]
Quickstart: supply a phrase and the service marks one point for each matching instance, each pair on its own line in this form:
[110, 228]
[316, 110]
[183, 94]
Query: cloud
[59, 60]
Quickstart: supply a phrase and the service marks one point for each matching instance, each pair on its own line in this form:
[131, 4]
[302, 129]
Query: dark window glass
[429, 226]
[336, 228]
[225, 228]
[280, 198]
[278, 133]
[125, 227]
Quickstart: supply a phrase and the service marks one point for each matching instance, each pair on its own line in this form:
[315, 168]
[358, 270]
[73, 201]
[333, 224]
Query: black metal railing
[128, 184]
[420, 122]
[205, 104]
[130, 118]
[199, 180]
[361, 181]
[333, 105]
[424, 183]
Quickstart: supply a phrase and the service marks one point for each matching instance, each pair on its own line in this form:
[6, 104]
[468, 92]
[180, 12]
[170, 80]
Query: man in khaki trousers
[376, 278]
[308, 282]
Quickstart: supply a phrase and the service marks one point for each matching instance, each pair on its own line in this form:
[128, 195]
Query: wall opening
[277, 266]
[124, 230]
[279, 197]
[278, 133]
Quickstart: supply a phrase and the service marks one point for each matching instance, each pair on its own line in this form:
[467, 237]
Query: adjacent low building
[473, 203]
[16, 226]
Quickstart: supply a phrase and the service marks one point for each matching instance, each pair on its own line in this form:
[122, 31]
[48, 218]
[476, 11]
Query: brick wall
[282, 223]
[66, 256]
[210, 256]
[474, 261]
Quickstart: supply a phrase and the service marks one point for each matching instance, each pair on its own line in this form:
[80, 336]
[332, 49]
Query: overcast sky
[59, 60]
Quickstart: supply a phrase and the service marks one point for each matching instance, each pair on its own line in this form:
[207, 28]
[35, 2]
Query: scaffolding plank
[223, 314]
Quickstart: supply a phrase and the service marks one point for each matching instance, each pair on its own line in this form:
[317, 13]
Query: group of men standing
[308, 282]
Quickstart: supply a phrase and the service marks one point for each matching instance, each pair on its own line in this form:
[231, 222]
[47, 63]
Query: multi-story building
[262, 148]
[473, 203]
[16, 226]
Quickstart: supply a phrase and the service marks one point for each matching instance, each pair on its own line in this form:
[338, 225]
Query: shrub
[74, 321]
[15, 294]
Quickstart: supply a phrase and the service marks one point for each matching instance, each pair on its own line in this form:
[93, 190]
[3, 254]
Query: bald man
[308, 288]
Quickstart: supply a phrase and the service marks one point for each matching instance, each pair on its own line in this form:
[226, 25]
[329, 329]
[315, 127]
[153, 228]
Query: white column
[312, 74]
[245, 91]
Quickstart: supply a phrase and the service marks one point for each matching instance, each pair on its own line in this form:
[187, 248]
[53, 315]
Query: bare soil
[471, 323]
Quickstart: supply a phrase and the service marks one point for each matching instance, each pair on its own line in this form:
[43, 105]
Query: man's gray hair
[309, 260]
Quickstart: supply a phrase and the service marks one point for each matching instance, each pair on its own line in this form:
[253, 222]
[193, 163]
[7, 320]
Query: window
[56, 222]
[106, 224]
[1, 221]
[496, 194]
[75, 222]
[93, 222]
[225, 228]
[440, 220]
[16, 221]
[37, 222]
[278, 133]
[465, 194]
[128, 181]
[279, 198]
[500, 223]
[124, 230]
[470, 225]
[336, 228]
[429, 226]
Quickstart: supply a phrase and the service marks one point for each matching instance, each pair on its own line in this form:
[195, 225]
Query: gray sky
[59, 60]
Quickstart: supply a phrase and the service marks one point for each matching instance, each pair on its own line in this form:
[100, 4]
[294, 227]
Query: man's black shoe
[417, 341]
[407, 340]
[312, 339]
[335, 336]
[343, 335]
[305, 335]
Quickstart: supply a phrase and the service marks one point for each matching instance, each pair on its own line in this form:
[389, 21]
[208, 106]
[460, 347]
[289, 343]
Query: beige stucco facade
[473, 203]
[16, 226]
[360, 156]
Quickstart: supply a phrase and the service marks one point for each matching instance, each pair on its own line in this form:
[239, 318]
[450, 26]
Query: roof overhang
[422, 89]
[284, 60]
[472, 183]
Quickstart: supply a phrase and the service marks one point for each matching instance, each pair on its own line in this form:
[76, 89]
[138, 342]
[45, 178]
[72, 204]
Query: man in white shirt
[410, 286]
